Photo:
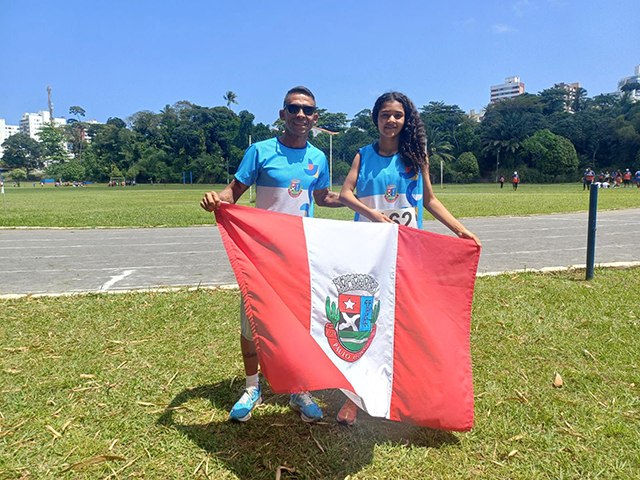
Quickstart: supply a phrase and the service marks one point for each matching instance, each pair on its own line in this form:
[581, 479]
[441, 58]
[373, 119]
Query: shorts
[245, 328]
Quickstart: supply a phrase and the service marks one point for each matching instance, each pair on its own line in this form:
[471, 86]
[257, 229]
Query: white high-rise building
[570, 98]
[631, 84]
[512, 87]
[5, 132]
[31, 123]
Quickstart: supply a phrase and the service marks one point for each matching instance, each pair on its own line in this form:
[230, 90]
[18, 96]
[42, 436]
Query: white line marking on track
[234, 286]
[115, 279]
[559, 269]
[14, 296]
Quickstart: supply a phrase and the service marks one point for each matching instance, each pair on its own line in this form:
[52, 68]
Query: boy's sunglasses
[294, 109]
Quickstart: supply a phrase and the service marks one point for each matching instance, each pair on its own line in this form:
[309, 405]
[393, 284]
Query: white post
[330, 162]
[441, 172]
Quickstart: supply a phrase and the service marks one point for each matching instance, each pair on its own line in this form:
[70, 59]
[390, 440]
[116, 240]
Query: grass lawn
[177, 205]
[138, 386]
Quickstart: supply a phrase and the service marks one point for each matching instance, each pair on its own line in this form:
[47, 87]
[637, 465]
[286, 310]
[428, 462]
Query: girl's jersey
[285, 177]
[387, 185]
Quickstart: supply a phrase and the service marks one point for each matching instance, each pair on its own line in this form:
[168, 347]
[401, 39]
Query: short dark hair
[298, 89]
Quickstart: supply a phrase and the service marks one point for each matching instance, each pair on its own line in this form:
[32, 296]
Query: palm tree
[508, 146]
[77, 130]
[579, 101]
[511, 146]
[230, 98]
[494, 146]
[77, 111]
[439, 149]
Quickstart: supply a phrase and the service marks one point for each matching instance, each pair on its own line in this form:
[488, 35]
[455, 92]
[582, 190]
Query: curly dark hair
[413, 138]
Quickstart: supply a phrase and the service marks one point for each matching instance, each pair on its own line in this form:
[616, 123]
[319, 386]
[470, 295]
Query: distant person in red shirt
[515, 180]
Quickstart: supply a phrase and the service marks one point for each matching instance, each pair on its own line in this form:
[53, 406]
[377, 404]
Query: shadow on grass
[275, 436]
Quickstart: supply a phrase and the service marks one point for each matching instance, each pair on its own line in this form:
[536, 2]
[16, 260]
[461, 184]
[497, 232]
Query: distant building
[512, 87]
[476, 116]
[570, 97]
[631, 85]
[31, 123]
[5, 132]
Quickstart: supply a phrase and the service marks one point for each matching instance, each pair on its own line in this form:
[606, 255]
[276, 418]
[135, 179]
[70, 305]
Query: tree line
[546, 137]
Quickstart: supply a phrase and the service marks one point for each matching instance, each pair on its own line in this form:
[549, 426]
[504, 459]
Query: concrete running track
[58, 261]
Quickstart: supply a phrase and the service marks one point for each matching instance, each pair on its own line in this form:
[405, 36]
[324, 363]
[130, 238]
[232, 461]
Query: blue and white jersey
[387, 185]
[285, 177]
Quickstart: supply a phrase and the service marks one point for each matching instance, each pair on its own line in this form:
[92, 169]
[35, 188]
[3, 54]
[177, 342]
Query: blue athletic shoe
[303, 403]
[241, 411]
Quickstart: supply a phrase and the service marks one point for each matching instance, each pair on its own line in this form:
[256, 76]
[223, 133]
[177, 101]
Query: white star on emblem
[349, 304]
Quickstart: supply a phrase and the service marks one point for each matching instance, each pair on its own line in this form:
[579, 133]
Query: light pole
[330, 162]
[318, 130]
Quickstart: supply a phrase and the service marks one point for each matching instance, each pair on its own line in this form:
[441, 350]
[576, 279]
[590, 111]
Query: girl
[392, 181]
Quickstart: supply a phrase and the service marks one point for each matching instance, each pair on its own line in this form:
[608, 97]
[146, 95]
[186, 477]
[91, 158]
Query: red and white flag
[378, 310]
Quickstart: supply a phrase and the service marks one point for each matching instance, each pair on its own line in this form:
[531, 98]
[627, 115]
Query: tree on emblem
[332, 312]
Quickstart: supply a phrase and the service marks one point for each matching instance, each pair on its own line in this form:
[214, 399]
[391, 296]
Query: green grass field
[177, 205]
[139, 385]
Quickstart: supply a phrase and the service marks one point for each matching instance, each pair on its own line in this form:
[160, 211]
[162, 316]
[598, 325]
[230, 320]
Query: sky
[115, 58]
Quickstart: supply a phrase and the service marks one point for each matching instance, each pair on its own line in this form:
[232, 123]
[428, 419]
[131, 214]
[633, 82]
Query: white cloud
[501, 28]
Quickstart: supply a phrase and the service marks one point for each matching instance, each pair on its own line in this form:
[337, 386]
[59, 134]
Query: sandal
[348, 414]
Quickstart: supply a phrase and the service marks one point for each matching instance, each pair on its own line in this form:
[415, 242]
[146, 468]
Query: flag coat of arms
[378, 310]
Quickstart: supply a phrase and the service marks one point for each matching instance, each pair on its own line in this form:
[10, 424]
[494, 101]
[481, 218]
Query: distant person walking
[501, 181]
[587, 178]
[515, 180]
[626, 178]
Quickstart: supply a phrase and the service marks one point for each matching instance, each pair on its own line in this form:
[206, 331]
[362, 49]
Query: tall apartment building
[31, 123]
[512, 87]
[5, 132]
[631, 84]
